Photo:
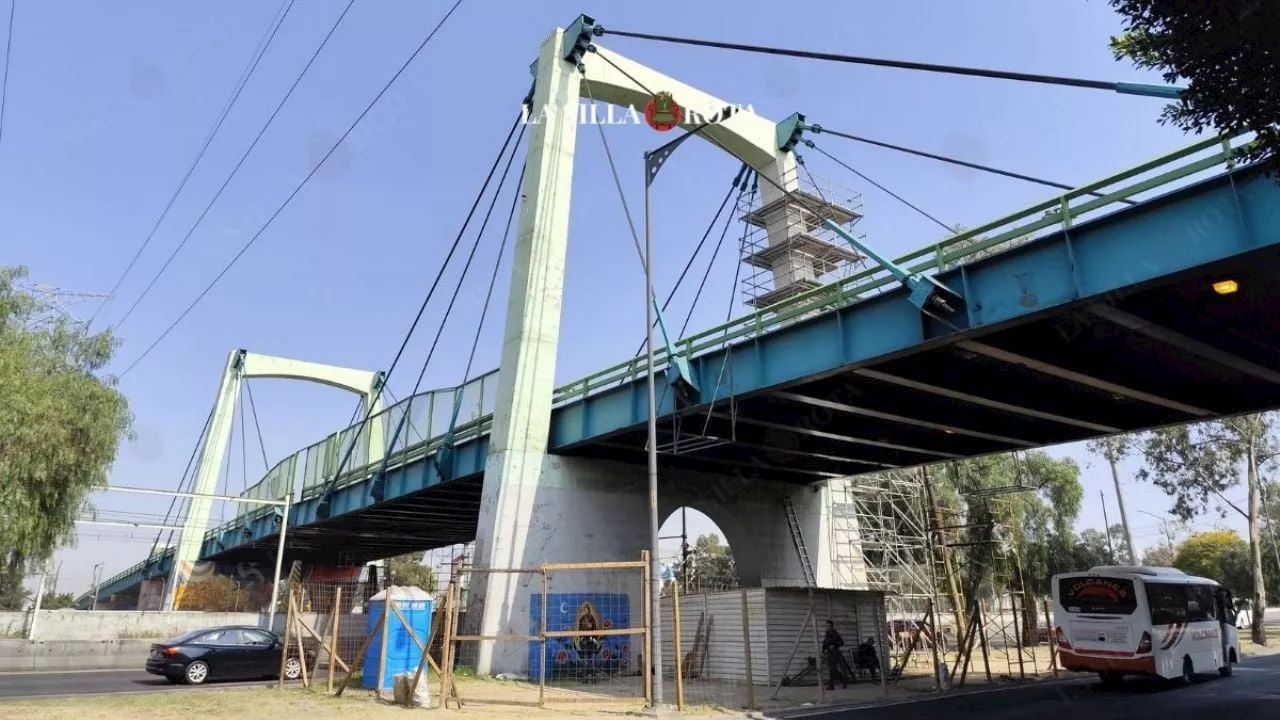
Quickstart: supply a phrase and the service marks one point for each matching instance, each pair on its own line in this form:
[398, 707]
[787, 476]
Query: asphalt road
[98, 681]
[1252, 693]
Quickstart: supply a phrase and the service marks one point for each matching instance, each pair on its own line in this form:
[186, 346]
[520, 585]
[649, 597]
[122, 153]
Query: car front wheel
[292, 669]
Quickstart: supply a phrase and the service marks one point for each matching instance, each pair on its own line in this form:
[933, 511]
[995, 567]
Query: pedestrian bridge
[1138, 301]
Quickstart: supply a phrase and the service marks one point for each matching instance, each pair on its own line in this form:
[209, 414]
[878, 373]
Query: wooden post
[675, 639]
[447, 688]
[297, 636]
[386, 633]
[980, 618]
[364, 648]
[284, 643]
[746, 648]
[648, 668]
[542, 660]
[333, 635]
[1053, 641]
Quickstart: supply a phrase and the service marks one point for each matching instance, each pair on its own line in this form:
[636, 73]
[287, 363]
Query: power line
[295, 192]
[8, 45]
[962, 163]
[235, 170]
[1131, 88]
[272, 28]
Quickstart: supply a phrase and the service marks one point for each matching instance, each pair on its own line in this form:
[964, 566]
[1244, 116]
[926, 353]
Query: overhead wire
[272, 28]
[295, 192]
[493, 168]
[954, 161]
[879, 62]
[235, 170]
[4, 84]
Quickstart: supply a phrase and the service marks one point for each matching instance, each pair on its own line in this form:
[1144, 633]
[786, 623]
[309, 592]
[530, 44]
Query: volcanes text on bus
[1119, 621]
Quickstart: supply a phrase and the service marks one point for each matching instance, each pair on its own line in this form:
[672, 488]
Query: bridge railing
[427, 417]
[1086, 202]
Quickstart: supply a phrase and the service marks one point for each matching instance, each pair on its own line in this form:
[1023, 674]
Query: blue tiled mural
[572, 657]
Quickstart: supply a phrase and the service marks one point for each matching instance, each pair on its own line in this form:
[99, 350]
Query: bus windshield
[1097, 595]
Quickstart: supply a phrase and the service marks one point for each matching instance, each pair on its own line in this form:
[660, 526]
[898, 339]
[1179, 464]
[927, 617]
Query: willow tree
[61, 422]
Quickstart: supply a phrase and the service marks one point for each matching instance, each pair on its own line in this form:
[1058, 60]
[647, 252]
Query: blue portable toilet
[403, 654]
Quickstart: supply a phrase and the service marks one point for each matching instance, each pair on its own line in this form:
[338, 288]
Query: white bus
[1119, 621]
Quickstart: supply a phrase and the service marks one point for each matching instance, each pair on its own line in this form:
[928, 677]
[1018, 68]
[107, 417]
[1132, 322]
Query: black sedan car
[223, 653]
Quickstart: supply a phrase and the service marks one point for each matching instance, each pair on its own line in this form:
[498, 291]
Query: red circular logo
[662, 112]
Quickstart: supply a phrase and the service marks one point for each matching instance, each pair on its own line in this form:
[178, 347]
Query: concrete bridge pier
[586, 510]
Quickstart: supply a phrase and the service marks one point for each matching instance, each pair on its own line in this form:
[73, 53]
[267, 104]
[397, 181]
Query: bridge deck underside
[1163, 354]
[1156, 356]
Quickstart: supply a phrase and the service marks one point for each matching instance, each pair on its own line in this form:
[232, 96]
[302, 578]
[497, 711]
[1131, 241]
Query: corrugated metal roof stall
[712, 629]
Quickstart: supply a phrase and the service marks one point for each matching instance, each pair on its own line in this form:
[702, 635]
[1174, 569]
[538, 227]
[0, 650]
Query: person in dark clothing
[831, 644]
[867, 658]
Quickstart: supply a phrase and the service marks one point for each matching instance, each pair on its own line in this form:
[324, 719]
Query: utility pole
[1111, 550]
[1124, 517]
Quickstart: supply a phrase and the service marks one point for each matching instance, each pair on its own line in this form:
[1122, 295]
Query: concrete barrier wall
[107, 625]
[25, 656]
[104, 625]
[114, 640]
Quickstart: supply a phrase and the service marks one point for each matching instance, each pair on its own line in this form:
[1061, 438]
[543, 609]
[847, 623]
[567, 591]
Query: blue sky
[107, 106]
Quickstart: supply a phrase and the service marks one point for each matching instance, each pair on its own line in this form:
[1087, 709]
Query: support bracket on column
[577, 37]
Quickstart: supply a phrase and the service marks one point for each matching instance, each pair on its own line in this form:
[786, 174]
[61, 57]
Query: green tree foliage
[1159, 556]
[408, 571]
[710, 566]
[1196, 464]
[61, 422]
[1228, 54]
[1220, 555]
[58, 601]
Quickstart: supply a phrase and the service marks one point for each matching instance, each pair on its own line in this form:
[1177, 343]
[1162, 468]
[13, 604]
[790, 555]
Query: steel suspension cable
[882, 188]
[182, 481]
[236, 169]
[953, 161]
[698, 248]
[248, 391]
[296, 190]
[457, 290]
[493, 279]
[263, 45]
[879, 62]
[244, 455]
[714, 254]
[493, 168]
